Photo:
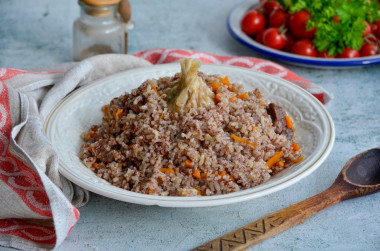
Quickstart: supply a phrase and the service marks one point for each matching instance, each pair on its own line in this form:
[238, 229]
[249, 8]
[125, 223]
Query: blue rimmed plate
[233, 23]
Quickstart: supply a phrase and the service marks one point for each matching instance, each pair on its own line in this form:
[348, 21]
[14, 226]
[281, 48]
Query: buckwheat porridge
[190, 134]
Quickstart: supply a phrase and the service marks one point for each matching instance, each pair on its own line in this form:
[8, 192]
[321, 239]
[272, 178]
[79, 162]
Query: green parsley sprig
[331, 35]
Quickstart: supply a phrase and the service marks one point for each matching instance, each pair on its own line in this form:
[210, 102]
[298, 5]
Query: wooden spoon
[360, 176]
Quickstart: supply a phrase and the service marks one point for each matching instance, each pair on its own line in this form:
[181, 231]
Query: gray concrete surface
[38, 33]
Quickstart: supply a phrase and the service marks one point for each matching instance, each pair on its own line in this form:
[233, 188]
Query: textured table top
[39, 33]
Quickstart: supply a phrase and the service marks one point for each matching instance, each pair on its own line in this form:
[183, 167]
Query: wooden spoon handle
[274, 223]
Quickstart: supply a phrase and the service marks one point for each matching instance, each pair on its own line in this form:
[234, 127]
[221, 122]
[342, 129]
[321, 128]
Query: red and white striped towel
[37, 205]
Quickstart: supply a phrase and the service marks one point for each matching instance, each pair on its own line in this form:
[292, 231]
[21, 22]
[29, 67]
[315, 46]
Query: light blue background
[38, 33]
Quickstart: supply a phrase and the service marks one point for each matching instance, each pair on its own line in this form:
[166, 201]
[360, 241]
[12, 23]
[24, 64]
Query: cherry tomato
[371, 38]
[369, 50]
[259, 36]
[289, 42]
[378, 29]
[297, 25]
[304, 47]
[278, 18]
[325, 54]
[270, 6]
[336, 19]
[374, 28]
[252, 22]
[349, 53]
[367, 29]
[273, 38]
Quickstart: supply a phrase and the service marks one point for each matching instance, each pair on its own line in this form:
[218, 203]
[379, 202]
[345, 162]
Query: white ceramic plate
[233, 23]
[77, 112]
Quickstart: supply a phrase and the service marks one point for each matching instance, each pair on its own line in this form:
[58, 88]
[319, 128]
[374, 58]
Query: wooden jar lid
[99, 3]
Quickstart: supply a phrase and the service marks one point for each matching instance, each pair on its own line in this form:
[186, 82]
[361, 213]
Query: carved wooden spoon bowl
[360, 176]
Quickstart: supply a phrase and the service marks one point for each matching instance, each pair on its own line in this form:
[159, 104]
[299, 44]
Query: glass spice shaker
[98, 30]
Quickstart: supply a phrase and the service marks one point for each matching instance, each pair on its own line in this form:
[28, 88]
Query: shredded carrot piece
[225, 81]
[198, 191]
[273, 160]
[188, 163]
[222, 173]
[197, 174]
[154, 88]
[215, 86]
[254, 128]
[218, 97]
[89, 148]
[203, 175]
[167, 170]
[299, 159]
[95, 165]
[162, 116]
[289, 122]
[231, 89]
[149, 191]
[232, 178]
[171, 170]
[239, 139]
[295, 147]
[251, 143]
[118, 112]
[91, 133]
[280, 163]
[105, 111]
[243, 95]
[232, 99]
